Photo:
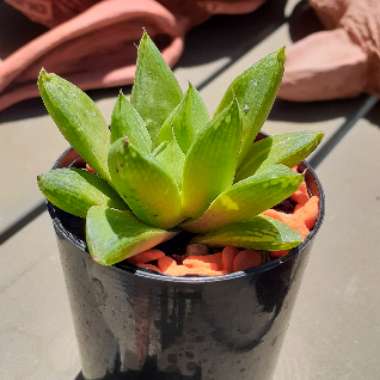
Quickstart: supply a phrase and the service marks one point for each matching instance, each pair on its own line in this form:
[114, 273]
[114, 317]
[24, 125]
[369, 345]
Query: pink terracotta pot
[80, 48]
[92, 43]
[53, 12]
[341, 62]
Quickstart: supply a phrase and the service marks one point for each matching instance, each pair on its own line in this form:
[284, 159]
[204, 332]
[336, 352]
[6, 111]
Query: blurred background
[331, 82]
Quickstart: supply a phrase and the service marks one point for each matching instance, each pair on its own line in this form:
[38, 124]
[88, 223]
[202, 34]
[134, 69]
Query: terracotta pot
[133, 324]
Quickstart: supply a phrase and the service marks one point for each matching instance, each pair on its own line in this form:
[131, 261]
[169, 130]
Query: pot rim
[69, 155]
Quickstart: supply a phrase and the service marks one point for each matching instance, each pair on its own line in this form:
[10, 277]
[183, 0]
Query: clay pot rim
[69, 155]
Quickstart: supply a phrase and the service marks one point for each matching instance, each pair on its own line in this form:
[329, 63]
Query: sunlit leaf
[288, 149]
[248, 198]
[113, 235]
[172, 160]
[156, 91]
[159, 148]
[187, 119]
[259, 233]
[126, 122]
[211, 161]
[150, 192]
[78, 119]
[255, 89]
[75, 191]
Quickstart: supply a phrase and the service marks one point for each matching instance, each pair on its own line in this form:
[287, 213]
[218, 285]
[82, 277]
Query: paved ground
[334, 332]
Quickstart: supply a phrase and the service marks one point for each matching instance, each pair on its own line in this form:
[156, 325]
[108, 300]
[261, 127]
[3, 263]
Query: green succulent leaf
[248, 198]
[187, 119]
[288, 149]
[159, 148]
[211, 161]
[75, 191]
[179, 131]
[126, 122]
[259, 233]
[172, 160]
[150, 192]
[255, 90]
[78, 118]
[113, 235]
[156, 91]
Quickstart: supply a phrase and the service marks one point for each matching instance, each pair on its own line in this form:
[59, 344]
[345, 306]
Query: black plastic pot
[133, 324]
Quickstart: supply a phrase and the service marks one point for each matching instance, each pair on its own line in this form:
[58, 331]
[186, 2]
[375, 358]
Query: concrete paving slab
[25, 250]
[28, 147]
[36, 334]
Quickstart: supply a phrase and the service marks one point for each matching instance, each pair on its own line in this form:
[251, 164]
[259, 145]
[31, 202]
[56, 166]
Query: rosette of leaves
[165, 165]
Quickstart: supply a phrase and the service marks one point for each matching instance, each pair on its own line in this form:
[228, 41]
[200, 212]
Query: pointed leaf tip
[126, 122]
[42, 74]
[255, 90]
[186, 121]
[155, 91]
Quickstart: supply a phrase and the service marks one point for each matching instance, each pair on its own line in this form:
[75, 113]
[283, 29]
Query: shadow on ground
[311, 112]
[303, 21]
[374, 116]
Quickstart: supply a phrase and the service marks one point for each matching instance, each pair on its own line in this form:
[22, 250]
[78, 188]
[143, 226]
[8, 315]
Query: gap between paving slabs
[329, 145]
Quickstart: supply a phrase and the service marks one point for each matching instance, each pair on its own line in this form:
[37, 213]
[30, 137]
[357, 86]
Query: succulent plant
[164, 165]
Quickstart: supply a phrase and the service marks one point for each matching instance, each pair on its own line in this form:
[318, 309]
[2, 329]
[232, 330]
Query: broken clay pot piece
[93, 42]
[341, 62]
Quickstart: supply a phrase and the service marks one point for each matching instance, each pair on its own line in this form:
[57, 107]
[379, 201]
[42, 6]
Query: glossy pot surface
[133, 324]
